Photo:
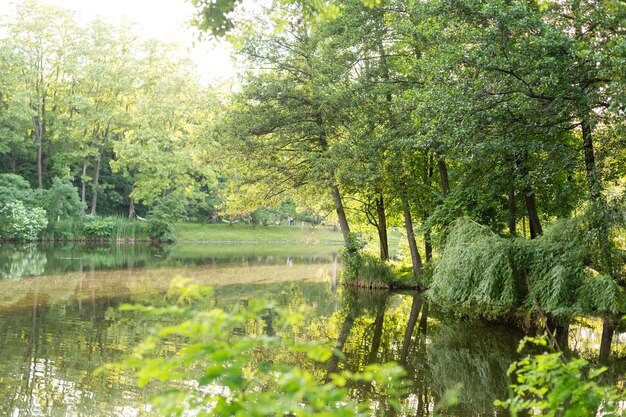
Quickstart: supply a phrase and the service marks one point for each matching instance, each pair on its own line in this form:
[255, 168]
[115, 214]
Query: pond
[60, 322]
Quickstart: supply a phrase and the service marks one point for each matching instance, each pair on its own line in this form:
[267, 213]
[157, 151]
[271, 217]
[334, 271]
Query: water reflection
[19, 261]
[58, 328]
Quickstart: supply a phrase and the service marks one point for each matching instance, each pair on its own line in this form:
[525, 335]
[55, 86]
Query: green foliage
[562, 272]
[482, 273]
[363, 270]
[98, 227]
[478, 272]
[15, 188]
[62, 199]
[14, 181]
[160, 230]
[234, 369]
[18, 222]
[550, 385]
[352, 256]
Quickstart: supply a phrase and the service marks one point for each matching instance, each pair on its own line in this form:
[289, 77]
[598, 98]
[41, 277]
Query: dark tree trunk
[512, 206]
[416, 260]
[595, 193]
[533, 216]
[443, 173]
[593, 181]
[608, 329]
[416, 306]
[341, 215]
[529, 198]
[382, 228]
[428, 246]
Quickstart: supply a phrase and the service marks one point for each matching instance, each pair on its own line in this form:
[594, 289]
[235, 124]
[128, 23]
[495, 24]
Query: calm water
[59, 320]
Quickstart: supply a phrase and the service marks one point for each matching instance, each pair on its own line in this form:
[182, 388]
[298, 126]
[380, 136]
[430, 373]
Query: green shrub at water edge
[363, 270]
[479, 272]
[98, 227]
[18, 222]
[482, 274]
[161, 230]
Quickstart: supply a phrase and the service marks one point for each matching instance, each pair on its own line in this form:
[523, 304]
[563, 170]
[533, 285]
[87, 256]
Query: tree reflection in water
[58, 329]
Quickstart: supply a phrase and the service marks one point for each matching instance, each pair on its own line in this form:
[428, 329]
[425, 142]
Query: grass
[182, 250]
[196, 232]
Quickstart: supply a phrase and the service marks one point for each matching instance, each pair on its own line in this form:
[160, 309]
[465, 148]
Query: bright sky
[162, 19]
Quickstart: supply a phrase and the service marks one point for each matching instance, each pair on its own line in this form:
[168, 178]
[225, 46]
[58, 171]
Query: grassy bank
[196, 232]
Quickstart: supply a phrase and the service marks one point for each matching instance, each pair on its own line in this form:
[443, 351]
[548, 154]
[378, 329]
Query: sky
[162, 19]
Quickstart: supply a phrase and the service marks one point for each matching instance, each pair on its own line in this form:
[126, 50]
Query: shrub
[478, 271]
[98, 227]
[161, 230]
[15, 188]
[550, 385]
[363, 270]
[62, 199]
[20, 223]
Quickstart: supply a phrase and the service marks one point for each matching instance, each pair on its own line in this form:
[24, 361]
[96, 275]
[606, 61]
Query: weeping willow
[482, 273]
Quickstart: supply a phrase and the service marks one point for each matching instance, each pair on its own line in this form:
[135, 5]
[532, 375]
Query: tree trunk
[531, 203]
[37, 123]
[608, 329]
[382, 228]
[443, 173]
[131, 205]
[96, 180]
[512, 205]
[416, 260]
[533, 216]
[416, 306]
[428, 246]
[593, 180]
[341, 215]
[594, 183]
[83, 187]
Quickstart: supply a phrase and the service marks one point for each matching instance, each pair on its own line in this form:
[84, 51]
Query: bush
[478, 272]
[550, 385]
[98, 227]
[161, 230]
[363, 270]
[62, 199]
[20, 223]
[15, 188]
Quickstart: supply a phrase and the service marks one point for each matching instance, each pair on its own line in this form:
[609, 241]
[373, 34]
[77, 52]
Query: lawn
[196, 232]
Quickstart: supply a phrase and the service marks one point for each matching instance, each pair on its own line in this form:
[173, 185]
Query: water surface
[60, 322]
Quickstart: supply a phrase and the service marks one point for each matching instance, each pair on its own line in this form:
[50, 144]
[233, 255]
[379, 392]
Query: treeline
[439, 114]
[121, 120]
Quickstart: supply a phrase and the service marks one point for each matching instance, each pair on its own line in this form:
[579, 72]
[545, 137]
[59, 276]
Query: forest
[490, 135]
